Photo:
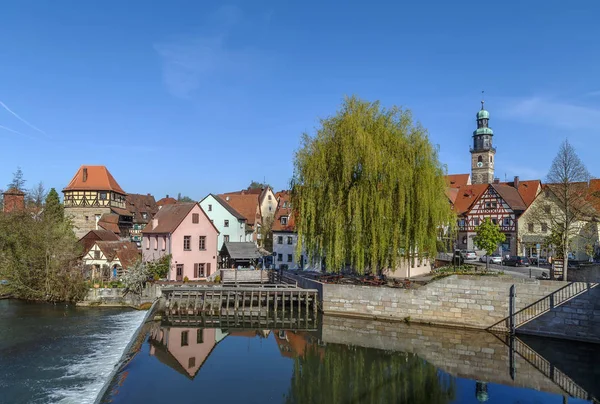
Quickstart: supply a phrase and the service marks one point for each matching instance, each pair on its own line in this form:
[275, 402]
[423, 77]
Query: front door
[179, 276]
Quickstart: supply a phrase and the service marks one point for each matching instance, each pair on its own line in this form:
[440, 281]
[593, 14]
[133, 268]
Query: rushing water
[341, 361]
[58, 353]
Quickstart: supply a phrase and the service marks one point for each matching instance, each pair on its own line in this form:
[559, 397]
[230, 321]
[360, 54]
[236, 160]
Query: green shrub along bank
[39, 255]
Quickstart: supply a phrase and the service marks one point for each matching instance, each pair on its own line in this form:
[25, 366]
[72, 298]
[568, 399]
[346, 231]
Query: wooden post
[275, 305]
[251, 303]
[228, 297]
[243, 302]
[259, 302]
[315, 304]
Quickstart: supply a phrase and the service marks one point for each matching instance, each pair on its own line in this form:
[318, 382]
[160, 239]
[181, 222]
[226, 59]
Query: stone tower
[14, 201]
[482, 151]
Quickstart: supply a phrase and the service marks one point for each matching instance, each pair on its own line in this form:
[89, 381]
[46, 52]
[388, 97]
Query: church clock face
[479, 164]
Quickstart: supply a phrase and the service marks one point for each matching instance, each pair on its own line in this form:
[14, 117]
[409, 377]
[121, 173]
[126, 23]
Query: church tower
[482, 151]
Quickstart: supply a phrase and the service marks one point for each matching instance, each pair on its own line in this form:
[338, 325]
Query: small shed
[238, 254]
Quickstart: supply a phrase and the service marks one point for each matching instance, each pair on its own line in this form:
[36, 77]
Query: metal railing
[545, 367]
[544, 305]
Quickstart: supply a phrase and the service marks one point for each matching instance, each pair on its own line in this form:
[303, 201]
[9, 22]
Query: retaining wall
[457, 300]
[577, 319]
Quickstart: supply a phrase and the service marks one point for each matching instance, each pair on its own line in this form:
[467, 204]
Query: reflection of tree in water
[342, 374]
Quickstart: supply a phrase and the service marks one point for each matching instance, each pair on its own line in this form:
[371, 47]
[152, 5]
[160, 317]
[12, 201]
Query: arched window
[480, 159]
[491, 159]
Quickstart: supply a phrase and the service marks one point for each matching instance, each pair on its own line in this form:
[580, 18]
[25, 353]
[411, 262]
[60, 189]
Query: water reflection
[341, 361]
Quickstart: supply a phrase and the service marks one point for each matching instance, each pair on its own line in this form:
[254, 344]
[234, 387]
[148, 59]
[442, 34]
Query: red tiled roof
[511, 196]
[169, 217]
[166, 201]
[245, 204]
[452, 194]
[457, 180]
[283, 198]
[594, 194]
[528, 189]
[95, 178]
[110, 222]
[467, 195]
[92, 236]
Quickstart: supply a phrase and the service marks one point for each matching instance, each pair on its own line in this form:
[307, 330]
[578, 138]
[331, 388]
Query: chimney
[167, 195]
[516, 183]
[496, 180]
[84, 174]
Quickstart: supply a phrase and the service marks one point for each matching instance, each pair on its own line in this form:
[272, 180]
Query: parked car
[492, 259]
[516, 261]
[470, 255]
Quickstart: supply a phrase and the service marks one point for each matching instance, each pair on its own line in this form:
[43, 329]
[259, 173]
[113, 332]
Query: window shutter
[207, 269]
[195, 270]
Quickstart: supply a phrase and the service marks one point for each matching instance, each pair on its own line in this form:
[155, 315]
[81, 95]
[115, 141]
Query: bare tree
[37, 195]
[568, 180]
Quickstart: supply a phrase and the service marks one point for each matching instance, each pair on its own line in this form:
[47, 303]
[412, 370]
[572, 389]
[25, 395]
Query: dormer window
[284, 220]
[144, 215]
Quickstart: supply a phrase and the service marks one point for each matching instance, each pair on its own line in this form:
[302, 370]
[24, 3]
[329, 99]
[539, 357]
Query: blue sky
[198, 96]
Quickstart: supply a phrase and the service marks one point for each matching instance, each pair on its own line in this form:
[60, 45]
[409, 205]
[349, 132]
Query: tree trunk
[565, 255]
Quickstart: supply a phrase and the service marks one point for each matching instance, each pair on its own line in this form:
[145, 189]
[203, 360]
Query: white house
[230, 223]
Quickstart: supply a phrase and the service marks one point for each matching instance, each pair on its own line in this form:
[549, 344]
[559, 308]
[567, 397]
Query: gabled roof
[239, 250]
[225, 205]
[458, 180]
[245, 204]
[126, 251]
[138, 204]
[467, 195]
[452, 194]
[90, 238]
[511, 196]
[169, 218]
[283, 198]
[594, 194]
[94, 178]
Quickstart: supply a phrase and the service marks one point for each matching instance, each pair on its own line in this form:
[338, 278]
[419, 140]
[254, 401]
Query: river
[59, 353]
[65, 354]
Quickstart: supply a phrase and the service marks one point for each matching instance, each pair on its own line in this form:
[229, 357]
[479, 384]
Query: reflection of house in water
[184, 349]
[293, 344]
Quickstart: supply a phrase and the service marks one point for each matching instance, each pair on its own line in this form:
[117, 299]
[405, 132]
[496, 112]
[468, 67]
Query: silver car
[492, 259]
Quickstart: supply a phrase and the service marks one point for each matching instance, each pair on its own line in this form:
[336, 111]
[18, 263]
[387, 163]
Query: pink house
[184, 231]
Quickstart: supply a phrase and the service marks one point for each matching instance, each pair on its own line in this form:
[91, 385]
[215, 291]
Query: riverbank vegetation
[369, 190]
[39, 254]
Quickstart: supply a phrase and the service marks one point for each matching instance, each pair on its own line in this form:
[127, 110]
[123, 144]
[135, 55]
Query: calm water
[342, 361]
[58, 353]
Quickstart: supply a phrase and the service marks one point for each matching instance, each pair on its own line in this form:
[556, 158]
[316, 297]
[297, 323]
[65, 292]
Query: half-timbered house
[501, 203]
[108, 259]
[92, 193]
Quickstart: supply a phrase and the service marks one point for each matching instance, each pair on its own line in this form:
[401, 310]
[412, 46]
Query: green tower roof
[483, 114]
[483, 131]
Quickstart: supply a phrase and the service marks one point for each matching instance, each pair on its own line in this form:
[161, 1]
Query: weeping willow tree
[344, 374]
[368, 189]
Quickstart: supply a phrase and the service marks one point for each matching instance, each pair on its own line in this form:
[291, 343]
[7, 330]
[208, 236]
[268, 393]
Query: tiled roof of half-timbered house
[94, 178]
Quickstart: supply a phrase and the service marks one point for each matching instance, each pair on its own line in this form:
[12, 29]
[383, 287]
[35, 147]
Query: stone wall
[471, 354]
[577, 319]
[467, 301]
[244, 276]
[113, 297]
[81, 226]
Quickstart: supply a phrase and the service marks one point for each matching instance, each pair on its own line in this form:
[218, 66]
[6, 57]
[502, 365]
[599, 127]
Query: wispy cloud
[13, 113]
[16, 132]
[192, 62]
[554, 113]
